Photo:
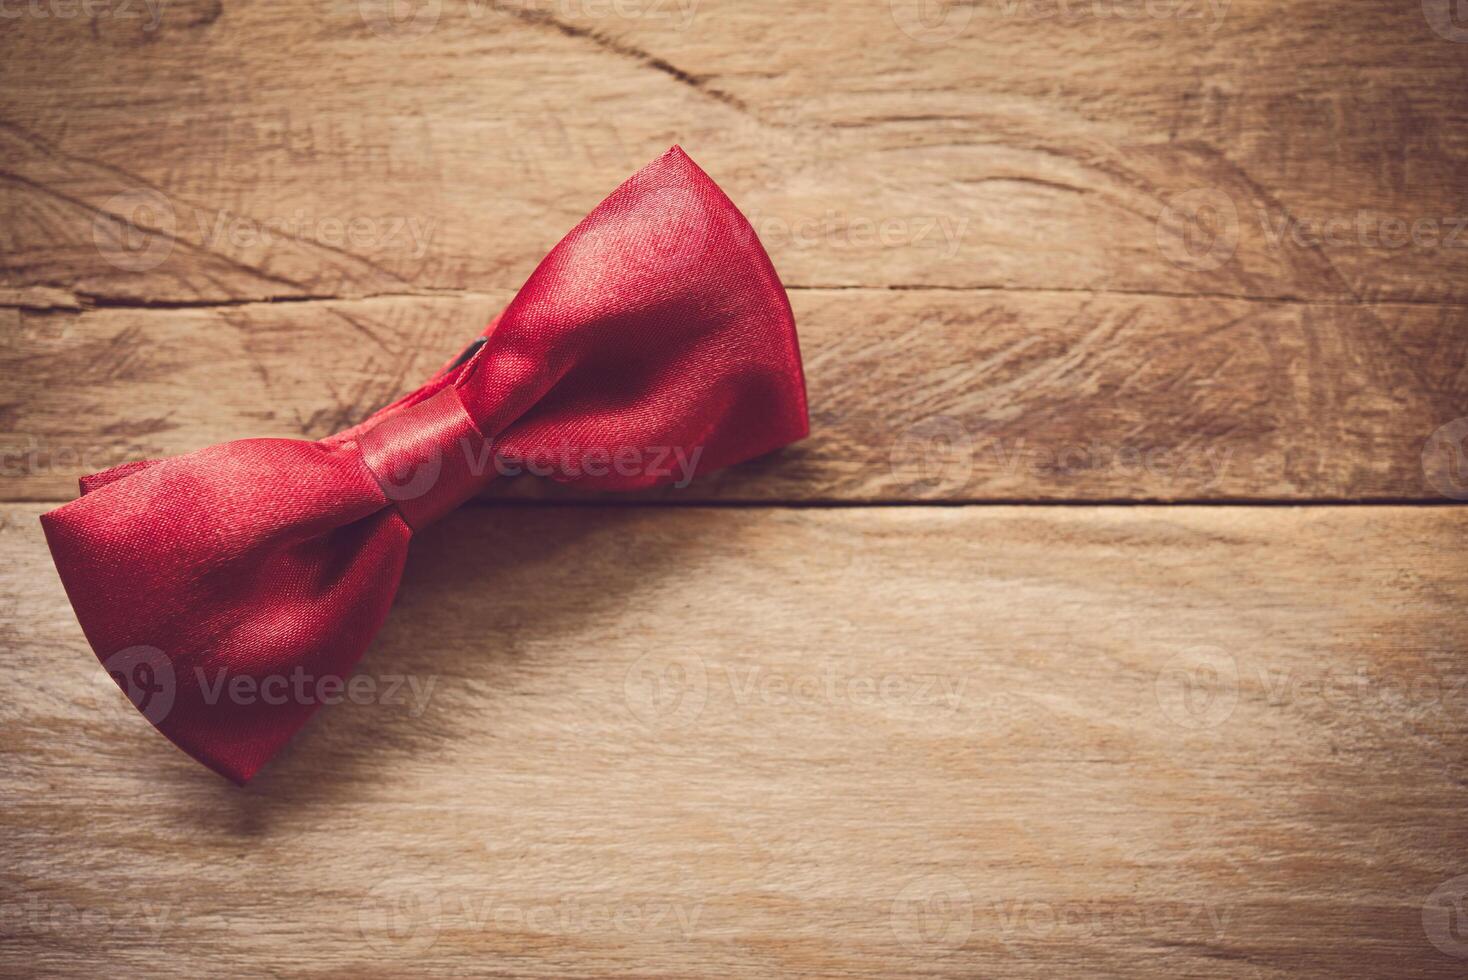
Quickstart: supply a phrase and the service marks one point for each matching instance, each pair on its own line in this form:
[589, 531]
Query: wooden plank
[930, 395]
[885, 742]
[1225, 147]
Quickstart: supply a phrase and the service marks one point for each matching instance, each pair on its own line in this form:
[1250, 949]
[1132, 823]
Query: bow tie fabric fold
[212, 585]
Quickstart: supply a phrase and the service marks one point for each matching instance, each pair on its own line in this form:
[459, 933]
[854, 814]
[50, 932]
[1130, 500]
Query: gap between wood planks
[51, 299]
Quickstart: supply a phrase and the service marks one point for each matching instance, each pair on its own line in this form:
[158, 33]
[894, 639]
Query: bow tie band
[654, 340]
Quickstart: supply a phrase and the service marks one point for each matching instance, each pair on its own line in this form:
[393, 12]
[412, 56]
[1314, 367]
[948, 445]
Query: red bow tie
[653, 339]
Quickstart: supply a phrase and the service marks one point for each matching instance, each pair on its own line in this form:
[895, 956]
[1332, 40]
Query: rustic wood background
[1110, 621]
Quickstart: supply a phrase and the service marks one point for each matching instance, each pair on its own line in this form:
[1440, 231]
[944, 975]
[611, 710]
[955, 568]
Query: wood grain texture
[857, 742]
[949, 395]
[1108, 148]
[1182, 250]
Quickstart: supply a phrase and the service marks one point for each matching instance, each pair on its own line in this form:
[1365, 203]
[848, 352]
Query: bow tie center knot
[428, 458]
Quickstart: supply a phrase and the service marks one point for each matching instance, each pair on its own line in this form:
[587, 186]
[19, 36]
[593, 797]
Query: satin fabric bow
[211, 584]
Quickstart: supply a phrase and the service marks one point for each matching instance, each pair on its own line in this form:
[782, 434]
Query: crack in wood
[699, 83]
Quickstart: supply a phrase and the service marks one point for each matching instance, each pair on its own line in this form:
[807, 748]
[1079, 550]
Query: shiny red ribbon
[655, 331]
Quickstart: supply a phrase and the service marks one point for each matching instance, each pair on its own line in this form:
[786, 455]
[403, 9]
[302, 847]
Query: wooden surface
[1110, 621]
[859, 742]
[914, 396]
